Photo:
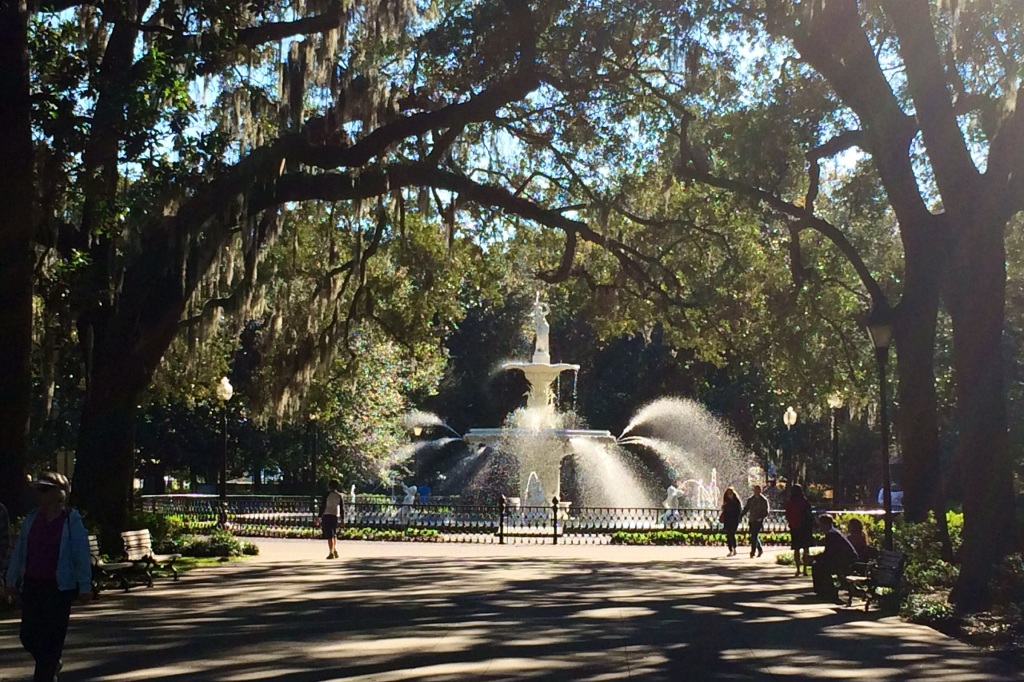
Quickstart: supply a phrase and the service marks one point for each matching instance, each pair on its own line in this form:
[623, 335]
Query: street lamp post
[789, 419]
[314, 464]
[880, 329]
[835, 402]
[224, 392]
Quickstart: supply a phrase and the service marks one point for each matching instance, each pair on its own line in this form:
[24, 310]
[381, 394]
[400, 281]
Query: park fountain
[672, 440]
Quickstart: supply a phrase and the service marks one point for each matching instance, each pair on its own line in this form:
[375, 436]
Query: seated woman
[859, 539]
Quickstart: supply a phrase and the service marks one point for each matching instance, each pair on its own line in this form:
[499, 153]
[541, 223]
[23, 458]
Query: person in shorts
[331, 519]
[800, 518]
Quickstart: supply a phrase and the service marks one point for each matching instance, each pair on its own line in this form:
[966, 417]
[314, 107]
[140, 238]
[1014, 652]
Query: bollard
[554, 518]
[501, 520]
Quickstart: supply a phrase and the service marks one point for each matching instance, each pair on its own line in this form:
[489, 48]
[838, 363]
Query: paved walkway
[396, 612]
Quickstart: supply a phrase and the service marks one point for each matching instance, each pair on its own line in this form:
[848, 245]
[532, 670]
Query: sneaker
[330, 555]
[751, 554]
[335, 554]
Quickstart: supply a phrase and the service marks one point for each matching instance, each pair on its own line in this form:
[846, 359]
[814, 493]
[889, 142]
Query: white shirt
[332, 505]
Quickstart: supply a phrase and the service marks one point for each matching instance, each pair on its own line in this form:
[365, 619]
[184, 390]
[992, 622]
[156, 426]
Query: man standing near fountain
[757, 507]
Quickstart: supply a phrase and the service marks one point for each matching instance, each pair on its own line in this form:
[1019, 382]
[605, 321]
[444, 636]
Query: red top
[44, 548]
[798, 512]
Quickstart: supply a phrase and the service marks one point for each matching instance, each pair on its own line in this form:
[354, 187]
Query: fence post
[501, 520]
[554, 518]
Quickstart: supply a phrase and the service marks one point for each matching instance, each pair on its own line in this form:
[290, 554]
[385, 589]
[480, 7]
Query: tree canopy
[307, 195]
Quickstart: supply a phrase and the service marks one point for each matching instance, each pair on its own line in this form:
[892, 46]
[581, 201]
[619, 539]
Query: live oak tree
[931, 92]
[921, 101]
[166, 134]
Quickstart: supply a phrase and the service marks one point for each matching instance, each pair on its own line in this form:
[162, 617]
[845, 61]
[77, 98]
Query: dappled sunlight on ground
[392, 614]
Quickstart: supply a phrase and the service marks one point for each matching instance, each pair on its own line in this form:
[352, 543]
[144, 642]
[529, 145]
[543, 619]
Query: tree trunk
[976, 296]
[16, 192]
[917, 424]
[104, 463]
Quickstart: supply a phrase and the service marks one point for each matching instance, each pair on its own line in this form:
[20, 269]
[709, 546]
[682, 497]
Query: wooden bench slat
[885, 572]
[138, 547]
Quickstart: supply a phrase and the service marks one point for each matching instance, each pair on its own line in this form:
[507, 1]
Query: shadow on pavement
[495, 619]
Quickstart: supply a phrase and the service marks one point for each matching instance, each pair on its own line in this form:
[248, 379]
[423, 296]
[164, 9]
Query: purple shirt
[44, 548]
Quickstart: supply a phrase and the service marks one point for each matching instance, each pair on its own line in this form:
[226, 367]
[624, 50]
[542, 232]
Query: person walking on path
[757, 508]
[331, 518]
[730, 518]
[800, 518]
[50, 566]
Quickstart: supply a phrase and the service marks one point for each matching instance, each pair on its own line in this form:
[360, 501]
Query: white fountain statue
[672, 497]
[407, 502]
[541, 352]
[708, 495]
[540, 373]
[535, 491]
[538, 439]
[671, 503]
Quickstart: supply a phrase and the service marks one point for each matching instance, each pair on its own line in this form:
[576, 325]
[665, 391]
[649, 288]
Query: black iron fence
[559, 523]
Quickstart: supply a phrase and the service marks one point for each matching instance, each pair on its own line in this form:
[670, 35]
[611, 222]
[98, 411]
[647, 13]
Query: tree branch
[564, 269]
[926, 79]
[832, 41]
[249, 37]
[841, 142]
[805, 218]
[479, 108]
[1005, 172]
[279, 30]
[296, 187]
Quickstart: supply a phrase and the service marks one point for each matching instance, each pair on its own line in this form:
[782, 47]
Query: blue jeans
[755, 536]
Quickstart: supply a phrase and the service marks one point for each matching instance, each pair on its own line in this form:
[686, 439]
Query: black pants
[45, 612]
[823, 575]
[755, 536]
[730, 537]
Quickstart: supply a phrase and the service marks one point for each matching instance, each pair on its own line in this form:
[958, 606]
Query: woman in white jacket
[50, 566]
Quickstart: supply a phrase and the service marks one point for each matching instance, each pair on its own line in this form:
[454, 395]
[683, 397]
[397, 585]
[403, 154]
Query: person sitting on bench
[836, 560]
[859, 539]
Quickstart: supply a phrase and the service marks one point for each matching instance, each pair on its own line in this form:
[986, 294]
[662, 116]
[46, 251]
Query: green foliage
[926, 569]
[165, 530]
[391, 535]
[218, 544]
[688, 538]
[933, 610]
[1008, 583]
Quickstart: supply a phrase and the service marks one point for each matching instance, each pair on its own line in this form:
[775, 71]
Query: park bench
[105, 572]
[885, 572]
[138, 548]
